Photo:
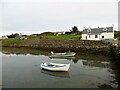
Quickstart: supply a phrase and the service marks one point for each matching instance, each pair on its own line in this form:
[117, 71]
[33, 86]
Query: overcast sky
[33, 16]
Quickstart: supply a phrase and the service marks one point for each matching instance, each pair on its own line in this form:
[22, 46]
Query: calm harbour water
[23, 71]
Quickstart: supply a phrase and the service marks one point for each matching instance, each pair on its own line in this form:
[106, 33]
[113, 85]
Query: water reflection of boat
[56, 74]
[68, 58]
[96, 64]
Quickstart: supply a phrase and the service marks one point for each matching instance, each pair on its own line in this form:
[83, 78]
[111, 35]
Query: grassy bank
[11, 42]
[64, 36]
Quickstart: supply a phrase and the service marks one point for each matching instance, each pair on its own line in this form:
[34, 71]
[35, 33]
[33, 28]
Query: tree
[117, 34]
[16, 35]
[74, 29]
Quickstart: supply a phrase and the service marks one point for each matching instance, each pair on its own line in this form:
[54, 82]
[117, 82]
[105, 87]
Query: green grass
[117, 34]
[11, 41]
[17, 42]
[66, 37]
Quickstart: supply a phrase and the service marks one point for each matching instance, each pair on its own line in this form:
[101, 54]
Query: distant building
[23, 37]
[4, 37]
[104, 33]
[59, 33]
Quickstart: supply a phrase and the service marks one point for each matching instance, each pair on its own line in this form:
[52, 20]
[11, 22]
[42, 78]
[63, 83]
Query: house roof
[96, 31]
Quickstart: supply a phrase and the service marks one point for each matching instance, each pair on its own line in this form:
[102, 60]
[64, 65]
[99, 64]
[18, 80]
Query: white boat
[66, 54]
[55, 66]
[68, 58]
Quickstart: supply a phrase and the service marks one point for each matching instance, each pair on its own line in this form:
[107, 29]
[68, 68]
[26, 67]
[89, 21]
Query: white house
[104, 33]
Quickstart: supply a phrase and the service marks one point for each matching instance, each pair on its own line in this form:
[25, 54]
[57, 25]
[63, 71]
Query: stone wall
[65, 45]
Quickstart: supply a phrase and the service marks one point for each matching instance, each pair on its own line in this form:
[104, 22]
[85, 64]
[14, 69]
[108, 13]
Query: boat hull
[63, 54]
[59, 67]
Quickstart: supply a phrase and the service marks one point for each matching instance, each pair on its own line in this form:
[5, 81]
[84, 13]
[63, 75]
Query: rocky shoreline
[60, 45]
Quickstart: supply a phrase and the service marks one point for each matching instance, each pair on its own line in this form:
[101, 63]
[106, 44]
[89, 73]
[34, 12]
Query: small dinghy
[55, 66]
[66, 54]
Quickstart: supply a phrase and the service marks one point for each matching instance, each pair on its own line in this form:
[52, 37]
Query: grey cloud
[26, 17]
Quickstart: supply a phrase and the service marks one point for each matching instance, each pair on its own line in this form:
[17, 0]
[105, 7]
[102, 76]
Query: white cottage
[104, 33]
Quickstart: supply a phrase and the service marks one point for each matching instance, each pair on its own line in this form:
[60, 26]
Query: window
[96, 36]
[89, 31]
[102, 36]
[104, 29]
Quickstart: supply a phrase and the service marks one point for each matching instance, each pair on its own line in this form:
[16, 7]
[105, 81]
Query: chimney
[84, 28]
